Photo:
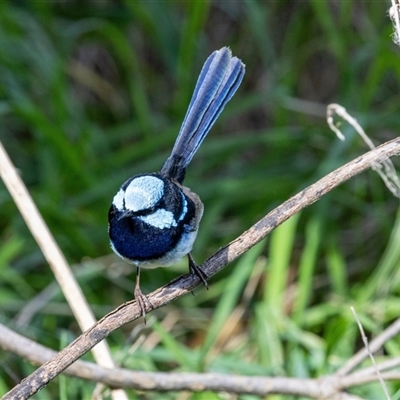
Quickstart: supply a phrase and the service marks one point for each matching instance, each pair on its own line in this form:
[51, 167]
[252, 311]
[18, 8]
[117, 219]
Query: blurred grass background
[94, 92]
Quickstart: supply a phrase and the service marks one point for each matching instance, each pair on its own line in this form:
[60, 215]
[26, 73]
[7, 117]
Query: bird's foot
[143, 302]
[196, 270]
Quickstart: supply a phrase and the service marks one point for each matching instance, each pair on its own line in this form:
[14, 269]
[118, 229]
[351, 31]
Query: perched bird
[153, 219]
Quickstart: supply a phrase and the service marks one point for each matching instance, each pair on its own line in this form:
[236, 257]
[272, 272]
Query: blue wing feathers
[218, 81]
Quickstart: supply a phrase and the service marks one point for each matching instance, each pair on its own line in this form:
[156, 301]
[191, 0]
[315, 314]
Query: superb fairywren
[153, 219]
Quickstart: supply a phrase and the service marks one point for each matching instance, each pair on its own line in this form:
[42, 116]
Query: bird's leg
[140, 297]
[195, 269]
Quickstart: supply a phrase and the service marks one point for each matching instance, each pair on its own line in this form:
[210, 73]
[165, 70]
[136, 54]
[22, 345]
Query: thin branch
[322, 388]
[352, 380]
[374, 346]
[184, 284]
[367, 348]
[386, 169]
[383, 366]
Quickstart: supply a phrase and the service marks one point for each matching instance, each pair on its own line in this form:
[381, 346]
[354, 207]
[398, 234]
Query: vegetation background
[94, 92]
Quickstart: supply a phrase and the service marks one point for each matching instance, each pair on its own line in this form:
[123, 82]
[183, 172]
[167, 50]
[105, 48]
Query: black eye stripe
[147, 211]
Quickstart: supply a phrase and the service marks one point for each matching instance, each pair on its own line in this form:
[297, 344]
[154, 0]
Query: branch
[374, 346]
[323, 388]
[129, 311]
[118, 377]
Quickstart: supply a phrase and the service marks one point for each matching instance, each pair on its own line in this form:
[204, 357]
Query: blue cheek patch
[161, 219]
[143, 192]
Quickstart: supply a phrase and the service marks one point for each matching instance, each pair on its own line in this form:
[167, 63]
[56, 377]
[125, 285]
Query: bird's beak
[125, 214]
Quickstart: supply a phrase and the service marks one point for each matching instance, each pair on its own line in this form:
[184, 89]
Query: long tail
[219, 79]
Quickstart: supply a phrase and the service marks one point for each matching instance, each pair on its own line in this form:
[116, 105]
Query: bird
[153, 219]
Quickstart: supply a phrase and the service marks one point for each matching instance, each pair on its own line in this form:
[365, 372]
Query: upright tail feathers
[219, 79]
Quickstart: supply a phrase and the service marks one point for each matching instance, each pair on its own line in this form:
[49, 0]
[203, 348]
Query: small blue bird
[153, 219]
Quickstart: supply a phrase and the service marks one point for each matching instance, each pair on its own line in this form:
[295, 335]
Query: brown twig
[184, 284]
[374, 346]
[38, 354]
[256, 385]
[371, 356]
[323, 388]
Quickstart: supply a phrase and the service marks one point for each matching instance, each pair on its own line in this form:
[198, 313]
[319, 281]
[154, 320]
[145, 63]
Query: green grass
[92, 94]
